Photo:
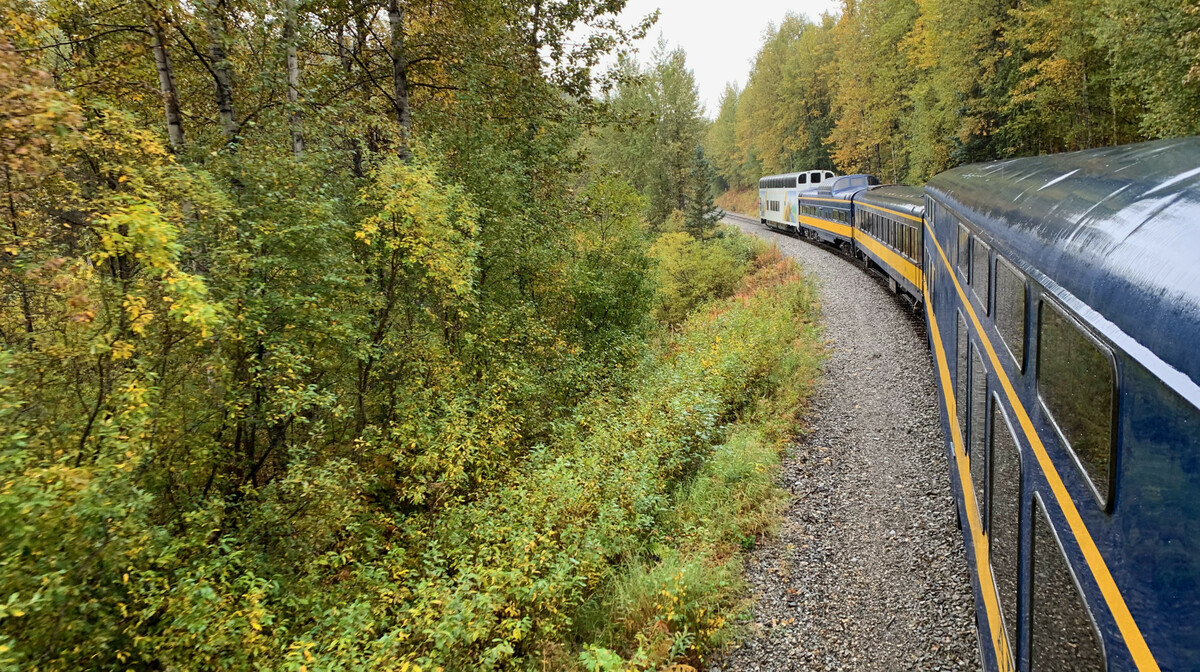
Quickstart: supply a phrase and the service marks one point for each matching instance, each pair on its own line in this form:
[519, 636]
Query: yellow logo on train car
[789, 211]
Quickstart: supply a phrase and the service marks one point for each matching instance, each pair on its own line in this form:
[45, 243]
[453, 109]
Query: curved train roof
[842, 187]
[791, 179]
[1116, 230]
[908, 200]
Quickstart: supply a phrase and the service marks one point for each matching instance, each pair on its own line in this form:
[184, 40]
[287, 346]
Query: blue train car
[1063, 303]
[888, 229]
[825, 213]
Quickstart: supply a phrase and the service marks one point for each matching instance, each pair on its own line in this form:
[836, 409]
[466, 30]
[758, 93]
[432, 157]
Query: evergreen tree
[701, 214]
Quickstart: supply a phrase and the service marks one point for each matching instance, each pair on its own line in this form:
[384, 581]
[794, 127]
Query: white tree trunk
[166, 84]
[293, 79]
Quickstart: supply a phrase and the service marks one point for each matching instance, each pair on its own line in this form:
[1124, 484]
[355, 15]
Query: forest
[904, 89]
[361, 334]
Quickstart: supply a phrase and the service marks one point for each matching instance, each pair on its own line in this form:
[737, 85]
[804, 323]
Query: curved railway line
[868, 571]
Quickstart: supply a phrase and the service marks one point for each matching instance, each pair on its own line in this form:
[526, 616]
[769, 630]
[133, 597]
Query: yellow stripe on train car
[826, 225]
[979, 541]
[908, 270]
[880, 208]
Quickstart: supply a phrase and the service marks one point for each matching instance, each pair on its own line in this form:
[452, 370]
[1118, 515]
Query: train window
[918, 249]
[816, 177]
[976, 429]
[980, 271]
[1010, 309]
[1064, 639]
[964, 249]
[1075, 381]
[960, 376]
[1004, 516]
[802, 179]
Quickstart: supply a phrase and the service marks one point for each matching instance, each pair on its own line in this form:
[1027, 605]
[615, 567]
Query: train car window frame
[1010, 610]
[962, 354]
[802, 178]
[1103, 495]
[985, 264]
[1039, 520]
[977, 430]
[964, 249]
[1007, 338]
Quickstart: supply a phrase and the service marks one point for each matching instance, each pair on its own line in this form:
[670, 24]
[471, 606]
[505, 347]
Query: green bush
[691, 271]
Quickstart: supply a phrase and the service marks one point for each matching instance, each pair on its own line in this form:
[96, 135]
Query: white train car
[777, 196]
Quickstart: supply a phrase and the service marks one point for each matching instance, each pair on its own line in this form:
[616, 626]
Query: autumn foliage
[293, 380]
[904, 89]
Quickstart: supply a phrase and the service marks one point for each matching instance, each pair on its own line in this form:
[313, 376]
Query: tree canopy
[907, 88]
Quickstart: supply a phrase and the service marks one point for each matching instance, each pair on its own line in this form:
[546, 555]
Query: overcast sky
[720, 38]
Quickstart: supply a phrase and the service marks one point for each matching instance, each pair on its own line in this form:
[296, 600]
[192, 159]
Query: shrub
[691, 271]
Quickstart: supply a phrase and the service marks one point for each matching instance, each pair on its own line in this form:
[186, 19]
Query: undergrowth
[672, 603]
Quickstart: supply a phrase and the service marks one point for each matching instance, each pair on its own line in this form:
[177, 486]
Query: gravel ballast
[868, 570]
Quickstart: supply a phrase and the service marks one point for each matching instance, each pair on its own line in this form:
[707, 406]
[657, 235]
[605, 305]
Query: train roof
[908, 200]
[791, 178]
[843, 187]
[1115, 231]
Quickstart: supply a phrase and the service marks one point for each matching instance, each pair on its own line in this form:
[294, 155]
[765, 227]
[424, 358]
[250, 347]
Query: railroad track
[869, 551]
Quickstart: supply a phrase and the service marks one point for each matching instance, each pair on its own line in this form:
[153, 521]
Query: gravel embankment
[868, 570]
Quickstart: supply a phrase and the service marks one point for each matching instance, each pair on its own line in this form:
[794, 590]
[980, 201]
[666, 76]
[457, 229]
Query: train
[1061, 296]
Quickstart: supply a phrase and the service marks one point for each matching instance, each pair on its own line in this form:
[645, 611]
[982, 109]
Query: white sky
[720, 38]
